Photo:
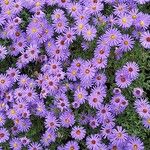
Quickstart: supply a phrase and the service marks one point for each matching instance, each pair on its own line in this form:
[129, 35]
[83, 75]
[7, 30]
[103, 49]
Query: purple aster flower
[135, 144]
[100, 19]
[60, 25]
[145, 39]
[121, 8]
[93, 142]
[109, 121]
[51, 122]
[87, 71]
[48, 137]
[82, 15]
[35, 146]
[118, 53]
[99, 63]
[122, 79]
[142, 107]
[69, 35]
[143, 21]
[93, 122]
[83, 119]
[100, 90]
[72, 73]
[13, 73]
[106, 131]
[67, 119]
[18, 5]
[30, 94]
[40, 109]
[23, 80]
[15, 144]
[75, 105]
[78, 133]
[94, 8]
[138, 92]
[61, 42]
[19, 94]
[58, 14]
[119, 136]
[4, 135]
[102, 52]
[125, 21]
[115, 147]
[142, 1]
[25, 141]
[118, 104]
[146, 122]
[89, 33]
[51, 3]
[80, 95]
[113, 36]
[94, 100]
[5, 82]
[112, 20]
[103, 113]
[24, 125]
[3, 52]
[2, 119]
[62, 102]
[117, 91]
[134, 14]
[132, 69]
[72, 145]
[126, 43]
[74, 8]
[80, 27]
[100, 79]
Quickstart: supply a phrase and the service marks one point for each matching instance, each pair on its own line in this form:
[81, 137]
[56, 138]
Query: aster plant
[74, 75]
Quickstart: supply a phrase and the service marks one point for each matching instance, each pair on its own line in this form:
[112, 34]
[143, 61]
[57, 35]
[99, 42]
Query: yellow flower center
[49, 136]
[80, 96]
[119, 135]
[34, 30]
[80, 26]
[46, 31]
[124, 20]
[8, 12]
[39, 109]
[135, 147]
[15, 145]
[59, 24]
[113, 37]
[67, 120]
[38, 4]
[142, 23]
[148, 120]
[1, 119]
[74, 8]
[57, 16]
[72, 148]
[87, 71]
[134, 17]
[49, 44]
[12, 111]
[74, 72]
[2, 81]
[126, 42]
[89, 32]
[6, 2]
[94, 7]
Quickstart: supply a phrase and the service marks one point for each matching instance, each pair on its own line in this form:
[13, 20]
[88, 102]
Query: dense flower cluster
[75, 87]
